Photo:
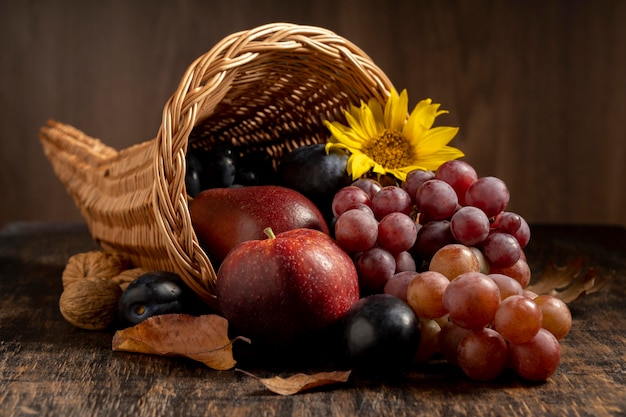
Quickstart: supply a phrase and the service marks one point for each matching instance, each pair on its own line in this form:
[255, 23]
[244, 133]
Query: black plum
[193, 179]
[255, 168]
[219, 166]
[381, 333]
[213, 168]
[315, 174]
[155, 293]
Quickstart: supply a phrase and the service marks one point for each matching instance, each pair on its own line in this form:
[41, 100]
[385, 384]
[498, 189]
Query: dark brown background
[537, 87]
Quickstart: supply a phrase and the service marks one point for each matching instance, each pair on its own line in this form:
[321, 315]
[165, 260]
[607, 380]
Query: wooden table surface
[50, 368]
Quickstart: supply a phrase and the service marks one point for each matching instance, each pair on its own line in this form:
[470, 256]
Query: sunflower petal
[415, 126]
[377, 109]
[396, 110]
[426, 111]
[372, 125]
[434, 160]
[344, 135]
[435, 139]
[332, 145]
[359, 164]
[358, 131]
[378, 116]
[399, 173]
[410, 168]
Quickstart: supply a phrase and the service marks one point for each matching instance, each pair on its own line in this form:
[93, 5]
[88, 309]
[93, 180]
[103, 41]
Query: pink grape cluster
[374, 225]
[485, 323]
[455, 205]
[444, 243]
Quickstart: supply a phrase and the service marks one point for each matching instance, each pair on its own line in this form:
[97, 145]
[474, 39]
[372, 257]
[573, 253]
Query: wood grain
[49, 368]
[536, 86]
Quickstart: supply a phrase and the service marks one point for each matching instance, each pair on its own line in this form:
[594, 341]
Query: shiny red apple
[224, 217]
[286, 286]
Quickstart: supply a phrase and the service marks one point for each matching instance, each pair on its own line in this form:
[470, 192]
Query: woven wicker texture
[268, 88]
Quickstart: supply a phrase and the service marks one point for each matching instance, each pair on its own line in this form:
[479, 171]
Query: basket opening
[279, 103]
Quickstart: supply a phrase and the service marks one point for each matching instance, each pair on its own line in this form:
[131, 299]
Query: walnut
[90, 303]
[128, 276]
[93, 264]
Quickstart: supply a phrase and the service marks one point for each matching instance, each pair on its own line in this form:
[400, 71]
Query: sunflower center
[390, 150]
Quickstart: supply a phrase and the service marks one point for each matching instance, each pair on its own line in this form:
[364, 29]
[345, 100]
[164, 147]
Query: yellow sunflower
[386, 141]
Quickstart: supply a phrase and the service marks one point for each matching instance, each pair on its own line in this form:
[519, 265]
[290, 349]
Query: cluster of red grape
[444, 243]
[374, 225]
[485, 323]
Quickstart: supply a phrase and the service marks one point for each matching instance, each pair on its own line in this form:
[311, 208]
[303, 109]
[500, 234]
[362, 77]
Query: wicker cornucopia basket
[267, 88]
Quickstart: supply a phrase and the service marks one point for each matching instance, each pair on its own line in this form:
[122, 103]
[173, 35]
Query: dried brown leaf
[554, 276]
[204, 339]
[568, 282]
[301, 382]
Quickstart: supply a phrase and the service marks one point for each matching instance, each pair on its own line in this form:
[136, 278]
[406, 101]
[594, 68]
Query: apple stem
[269, 232]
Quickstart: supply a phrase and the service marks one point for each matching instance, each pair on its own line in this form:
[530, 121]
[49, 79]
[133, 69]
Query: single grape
[391, 199]
[518, 319]
[483, 354]
[414, 179]
[507, 285]
[502, 250]
[507, 222]
[356, 231]
[369, 185]
[459, 174]
[430, 238]
[398, 284]
[538, 359]
[557, 318]
[469, 225]
[348, 196]
[405, 262]
[519, 271]
[375, 267]
[436, 200]
[397, 232]
[425, 294]
[450, 337]
[489, 194]
[522, 234]
[453, 260]
[429, 340]
[472, 300]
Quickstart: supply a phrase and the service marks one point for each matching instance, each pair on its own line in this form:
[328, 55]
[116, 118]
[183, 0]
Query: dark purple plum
[315, 174]
[155, 293]
[381, 333]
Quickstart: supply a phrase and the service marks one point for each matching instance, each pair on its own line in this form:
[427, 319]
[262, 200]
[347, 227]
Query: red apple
[287, 286]
[224, 217]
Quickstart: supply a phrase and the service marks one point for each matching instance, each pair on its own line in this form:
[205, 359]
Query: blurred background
[537, 87]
